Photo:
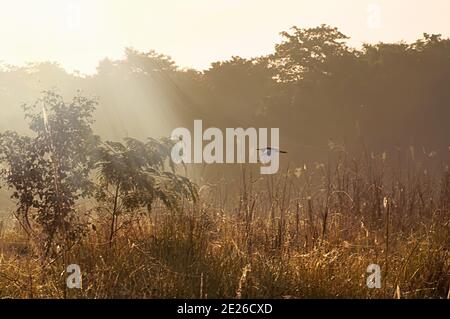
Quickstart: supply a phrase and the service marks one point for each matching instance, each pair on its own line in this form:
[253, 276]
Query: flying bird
[267, 151]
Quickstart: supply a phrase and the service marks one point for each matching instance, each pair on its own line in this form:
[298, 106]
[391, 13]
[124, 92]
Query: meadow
[308, 232]
[363, 175]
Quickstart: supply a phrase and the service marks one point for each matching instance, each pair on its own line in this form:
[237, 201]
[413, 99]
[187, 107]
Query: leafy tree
[49, 171]
[239, 86]
[306, 51]
[132, 175]
[315, 87]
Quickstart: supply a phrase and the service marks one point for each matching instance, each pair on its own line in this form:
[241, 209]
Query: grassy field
[308, 232]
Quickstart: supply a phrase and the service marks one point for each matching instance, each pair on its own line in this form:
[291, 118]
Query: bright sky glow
[79, 33]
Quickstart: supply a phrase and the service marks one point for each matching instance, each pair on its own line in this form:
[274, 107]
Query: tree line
[313, 86]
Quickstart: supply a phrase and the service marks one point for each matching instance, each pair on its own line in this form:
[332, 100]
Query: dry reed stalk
[386, 260]
[242, 281]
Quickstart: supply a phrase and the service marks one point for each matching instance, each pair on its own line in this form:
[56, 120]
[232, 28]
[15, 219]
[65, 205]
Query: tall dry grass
[308, 232]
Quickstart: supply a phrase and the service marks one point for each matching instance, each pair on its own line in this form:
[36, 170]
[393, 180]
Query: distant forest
[316, 88]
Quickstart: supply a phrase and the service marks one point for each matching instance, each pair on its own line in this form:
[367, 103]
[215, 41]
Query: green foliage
[305, 52]
[49, 171]
[136, 171]
[314, 85]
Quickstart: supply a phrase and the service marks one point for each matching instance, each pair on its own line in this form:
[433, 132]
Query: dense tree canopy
[313, 86]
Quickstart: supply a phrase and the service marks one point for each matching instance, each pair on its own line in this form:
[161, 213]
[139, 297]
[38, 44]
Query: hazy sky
[79, 33]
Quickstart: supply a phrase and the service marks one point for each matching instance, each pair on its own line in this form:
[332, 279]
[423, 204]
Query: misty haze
[91, 91]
